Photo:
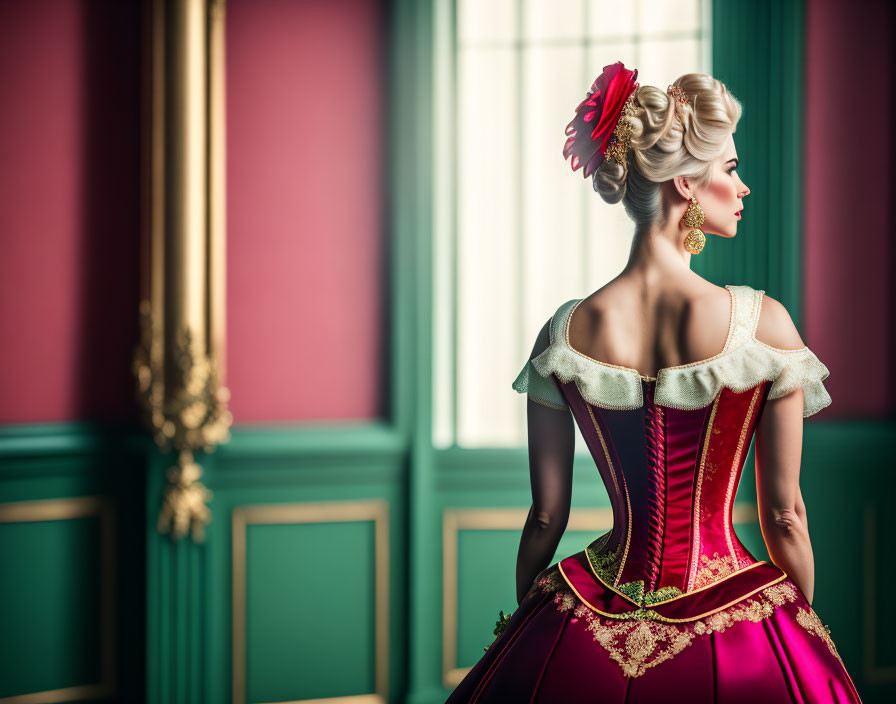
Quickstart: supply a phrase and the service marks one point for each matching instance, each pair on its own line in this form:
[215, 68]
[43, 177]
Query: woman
[668, 606]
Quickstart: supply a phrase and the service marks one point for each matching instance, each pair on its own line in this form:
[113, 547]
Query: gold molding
[179, 361]
[455, 520]
[376, 510]
[873, 673]
[68, 509]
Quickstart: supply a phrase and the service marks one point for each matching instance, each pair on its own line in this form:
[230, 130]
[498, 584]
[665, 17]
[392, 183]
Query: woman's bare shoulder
[776, 327]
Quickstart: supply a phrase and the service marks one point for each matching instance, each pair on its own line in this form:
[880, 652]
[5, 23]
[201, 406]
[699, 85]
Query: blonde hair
[669, 139]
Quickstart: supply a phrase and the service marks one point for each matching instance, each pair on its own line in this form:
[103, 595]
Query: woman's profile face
[722, 199]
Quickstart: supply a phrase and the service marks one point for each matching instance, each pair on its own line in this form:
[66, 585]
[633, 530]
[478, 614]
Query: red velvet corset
[672, 476]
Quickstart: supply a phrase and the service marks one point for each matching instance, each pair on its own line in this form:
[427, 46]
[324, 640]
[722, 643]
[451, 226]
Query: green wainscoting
[55, 594]
[311, 578]
[73, 561]
[299, 591]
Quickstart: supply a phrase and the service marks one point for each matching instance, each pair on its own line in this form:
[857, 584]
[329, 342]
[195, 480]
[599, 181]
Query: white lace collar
[742, 364]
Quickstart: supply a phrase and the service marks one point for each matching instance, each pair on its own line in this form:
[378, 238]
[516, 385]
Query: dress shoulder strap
[757, 309]
[746, 303]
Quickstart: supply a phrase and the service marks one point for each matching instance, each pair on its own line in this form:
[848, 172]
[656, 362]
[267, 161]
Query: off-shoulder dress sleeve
[801, 369]
[540, 389]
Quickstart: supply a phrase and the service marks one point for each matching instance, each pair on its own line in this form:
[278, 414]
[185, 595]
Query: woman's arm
[551, 452]
[779, 444]
[782, 513]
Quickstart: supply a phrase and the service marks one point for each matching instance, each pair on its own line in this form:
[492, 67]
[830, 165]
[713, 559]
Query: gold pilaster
[178, 363]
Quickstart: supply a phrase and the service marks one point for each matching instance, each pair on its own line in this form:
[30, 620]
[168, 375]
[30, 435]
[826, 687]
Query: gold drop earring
[694, 217]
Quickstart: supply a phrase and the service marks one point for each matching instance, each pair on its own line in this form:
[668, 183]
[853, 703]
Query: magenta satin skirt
[550, 652]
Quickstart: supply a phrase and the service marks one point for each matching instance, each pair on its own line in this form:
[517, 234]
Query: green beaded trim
[606, 566]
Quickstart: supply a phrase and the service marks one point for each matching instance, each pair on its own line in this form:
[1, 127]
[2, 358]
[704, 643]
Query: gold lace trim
[637, 642]
[713, 569]
[812, 623]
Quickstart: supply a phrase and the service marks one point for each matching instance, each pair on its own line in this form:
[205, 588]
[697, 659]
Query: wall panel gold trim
[69, 509]
[376, 510]
[455, 520]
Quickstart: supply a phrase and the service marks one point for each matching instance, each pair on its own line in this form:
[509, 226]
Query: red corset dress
[668, 606]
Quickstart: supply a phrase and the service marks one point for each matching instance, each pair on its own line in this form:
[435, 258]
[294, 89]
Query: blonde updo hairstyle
[669, 139]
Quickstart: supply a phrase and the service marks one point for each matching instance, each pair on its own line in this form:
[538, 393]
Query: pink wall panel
[69, 151]
[305, 180]
[849, 285]
[305, 101]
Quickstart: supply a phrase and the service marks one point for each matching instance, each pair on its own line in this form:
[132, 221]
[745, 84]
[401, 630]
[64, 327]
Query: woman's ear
[682, 186]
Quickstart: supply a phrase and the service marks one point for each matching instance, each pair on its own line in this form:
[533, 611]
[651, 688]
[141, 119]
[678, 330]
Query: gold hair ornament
[678, 94]
[694, 217]
[622, 135]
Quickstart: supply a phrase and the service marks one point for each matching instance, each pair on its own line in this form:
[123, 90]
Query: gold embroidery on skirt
[639, 642]
[812, 623]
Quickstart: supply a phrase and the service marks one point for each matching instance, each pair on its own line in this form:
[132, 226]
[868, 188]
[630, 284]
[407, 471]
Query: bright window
[517, 232]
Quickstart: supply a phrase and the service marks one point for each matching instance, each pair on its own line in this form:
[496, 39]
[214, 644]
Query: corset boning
[672, 476]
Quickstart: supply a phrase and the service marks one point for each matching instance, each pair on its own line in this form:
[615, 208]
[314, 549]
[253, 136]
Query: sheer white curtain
[517, 232]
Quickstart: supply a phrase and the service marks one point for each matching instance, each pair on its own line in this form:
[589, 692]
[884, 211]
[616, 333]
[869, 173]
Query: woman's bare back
[682, 320]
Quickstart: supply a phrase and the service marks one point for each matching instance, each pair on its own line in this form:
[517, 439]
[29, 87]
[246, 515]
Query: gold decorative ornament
[183, 505]
[191, 413]
[694, 217]
[179, 361]
[622, 135]
[188, 414]
[678, 94]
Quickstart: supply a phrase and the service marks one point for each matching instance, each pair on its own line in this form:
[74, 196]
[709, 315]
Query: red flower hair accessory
[598, 130]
